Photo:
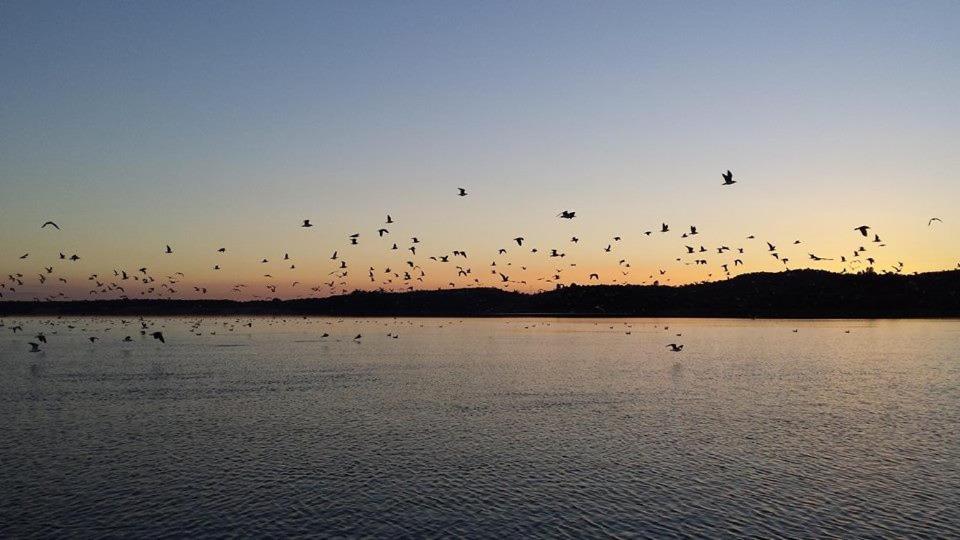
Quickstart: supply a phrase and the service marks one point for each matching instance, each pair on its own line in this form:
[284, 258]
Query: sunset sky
[224, 124]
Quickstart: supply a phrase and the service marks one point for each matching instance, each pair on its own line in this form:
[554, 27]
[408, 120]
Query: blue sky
[138, 123]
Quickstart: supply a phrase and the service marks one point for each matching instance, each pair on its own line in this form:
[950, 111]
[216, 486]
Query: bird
[306, 223]
[728, 179]
[518, 240]
[675, 348]
[158, 336]
[389, 219]
[463, 192]
[55, 226]
[567, 214]
[930, 222]
[382, 232]
[34, 347]
[863, 229]
[168, 250]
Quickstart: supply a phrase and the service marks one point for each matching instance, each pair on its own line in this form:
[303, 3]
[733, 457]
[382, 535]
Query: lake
[481, 428]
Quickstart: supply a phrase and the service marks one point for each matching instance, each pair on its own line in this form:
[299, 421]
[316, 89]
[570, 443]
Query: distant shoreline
[800, 294]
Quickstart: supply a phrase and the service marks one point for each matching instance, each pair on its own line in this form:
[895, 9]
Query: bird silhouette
[728, 179]
[863, 229]
[54, 225]
[306, 223]
[463, 192]
[675, 348]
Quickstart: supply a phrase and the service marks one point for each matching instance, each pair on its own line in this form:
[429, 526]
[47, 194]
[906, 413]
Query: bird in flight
[567, 214]
[675, 348]
[34, 347]
[55, 226]
[306, 223]
[158, 336]
[863, 229]
[929, 223]
[728, 178]
[518, 240]
[168, 250]
[463, 192]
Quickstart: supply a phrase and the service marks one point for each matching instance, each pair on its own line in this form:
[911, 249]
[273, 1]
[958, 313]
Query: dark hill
[802, 293]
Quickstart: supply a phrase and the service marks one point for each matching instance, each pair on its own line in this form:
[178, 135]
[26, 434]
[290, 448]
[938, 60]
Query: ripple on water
[483, 431]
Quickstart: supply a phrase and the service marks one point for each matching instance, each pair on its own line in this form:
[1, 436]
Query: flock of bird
[410, 274]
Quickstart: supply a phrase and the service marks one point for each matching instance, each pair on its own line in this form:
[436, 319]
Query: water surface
[492, 427]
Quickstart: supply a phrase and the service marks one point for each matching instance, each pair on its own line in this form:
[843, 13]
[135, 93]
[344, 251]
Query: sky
[200, 125]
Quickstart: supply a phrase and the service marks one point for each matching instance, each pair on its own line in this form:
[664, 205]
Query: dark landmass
[800, 294]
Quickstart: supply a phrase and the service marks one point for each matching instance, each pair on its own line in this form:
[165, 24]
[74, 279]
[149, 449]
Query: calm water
[499, 427]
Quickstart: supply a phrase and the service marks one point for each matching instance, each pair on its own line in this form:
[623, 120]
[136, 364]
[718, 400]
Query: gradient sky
[200, 125]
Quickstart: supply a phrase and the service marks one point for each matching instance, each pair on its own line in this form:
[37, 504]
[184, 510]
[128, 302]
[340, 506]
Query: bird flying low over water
[728, 178]
[54, 225]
